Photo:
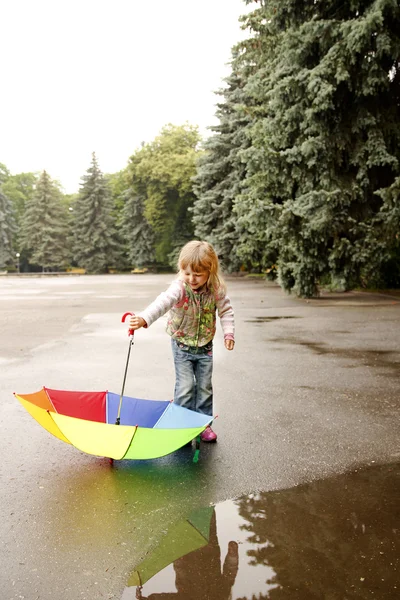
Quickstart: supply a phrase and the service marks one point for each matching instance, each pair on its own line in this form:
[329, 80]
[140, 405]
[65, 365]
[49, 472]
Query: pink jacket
[192, 315]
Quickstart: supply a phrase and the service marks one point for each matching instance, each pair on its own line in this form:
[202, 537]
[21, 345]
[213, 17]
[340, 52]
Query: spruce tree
[44, 226]
[136, 230]
[7, 229]
[219, 175]
[323, 166]
[224, 212]
[95, 246]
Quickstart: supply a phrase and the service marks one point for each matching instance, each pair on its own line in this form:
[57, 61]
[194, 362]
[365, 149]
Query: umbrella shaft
[117, 422]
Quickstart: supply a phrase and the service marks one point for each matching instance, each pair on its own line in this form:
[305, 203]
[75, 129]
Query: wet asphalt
[309, 395]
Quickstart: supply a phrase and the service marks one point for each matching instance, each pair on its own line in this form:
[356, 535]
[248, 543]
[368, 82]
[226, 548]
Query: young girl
[192, 301]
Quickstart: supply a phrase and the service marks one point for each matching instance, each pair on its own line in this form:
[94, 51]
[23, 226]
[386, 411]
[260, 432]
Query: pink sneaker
[208, 435]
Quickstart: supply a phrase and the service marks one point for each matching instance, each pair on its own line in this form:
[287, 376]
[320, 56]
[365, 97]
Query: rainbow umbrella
[112, 425]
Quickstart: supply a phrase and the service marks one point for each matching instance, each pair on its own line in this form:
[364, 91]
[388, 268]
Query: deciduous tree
[160, 176]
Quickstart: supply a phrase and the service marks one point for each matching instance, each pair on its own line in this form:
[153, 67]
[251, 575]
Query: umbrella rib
[162, 415]
[51, 417]
[130, 443]
[50, 400]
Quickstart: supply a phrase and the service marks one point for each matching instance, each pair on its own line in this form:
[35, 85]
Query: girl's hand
[136, 322]
[229, 344]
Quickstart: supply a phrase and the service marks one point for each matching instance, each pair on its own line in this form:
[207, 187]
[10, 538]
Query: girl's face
[196, 279]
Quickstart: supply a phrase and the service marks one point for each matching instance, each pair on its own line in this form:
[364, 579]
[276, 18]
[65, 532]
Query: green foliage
[4, 173]
[136, 230]
[117, 183]
[19, 189]
[95, 245]
[219, 175]
[7, 229]
[319, 187]
[224, 212]
[44, 226]
[160, 194]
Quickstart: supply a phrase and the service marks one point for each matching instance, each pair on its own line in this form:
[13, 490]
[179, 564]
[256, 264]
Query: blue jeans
[193, 374]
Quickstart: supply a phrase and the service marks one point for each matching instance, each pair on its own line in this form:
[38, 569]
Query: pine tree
[7, 229]
[95, 238]
[44, 226]
[324, 159]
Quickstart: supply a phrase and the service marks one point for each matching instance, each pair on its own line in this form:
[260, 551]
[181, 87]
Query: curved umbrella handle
[130, 331]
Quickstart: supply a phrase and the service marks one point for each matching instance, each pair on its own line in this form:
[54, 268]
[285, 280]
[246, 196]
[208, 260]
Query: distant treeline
[300, 178]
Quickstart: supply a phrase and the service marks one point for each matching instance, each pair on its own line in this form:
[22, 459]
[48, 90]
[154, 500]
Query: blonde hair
[201, 256]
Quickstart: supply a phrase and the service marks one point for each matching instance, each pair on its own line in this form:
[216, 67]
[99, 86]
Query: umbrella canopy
[183, 538]
[148, 429]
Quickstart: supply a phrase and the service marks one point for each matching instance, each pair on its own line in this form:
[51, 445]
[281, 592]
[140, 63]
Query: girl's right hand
[136, 322]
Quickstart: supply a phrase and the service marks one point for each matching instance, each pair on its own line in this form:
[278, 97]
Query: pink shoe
[208, 435]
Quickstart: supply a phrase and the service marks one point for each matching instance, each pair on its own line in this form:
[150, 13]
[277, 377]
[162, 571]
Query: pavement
[311, 391]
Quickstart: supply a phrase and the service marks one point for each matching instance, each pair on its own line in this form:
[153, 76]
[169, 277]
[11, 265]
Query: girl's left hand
[229, 344]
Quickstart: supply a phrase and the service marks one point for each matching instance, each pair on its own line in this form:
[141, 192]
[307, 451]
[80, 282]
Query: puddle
[332, 539]
[386, 360]
[268, 319]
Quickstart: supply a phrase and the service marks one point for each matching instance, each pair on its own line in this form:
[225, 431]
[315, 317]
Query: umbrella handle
[130, 331]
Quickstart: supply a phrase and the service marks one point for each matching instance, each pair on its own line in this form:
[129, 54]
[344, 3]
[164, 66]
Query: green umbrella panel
[182, 539]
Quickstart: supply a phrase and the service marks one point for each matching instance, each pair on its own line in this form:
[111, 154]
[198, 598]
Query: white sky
[103, 75]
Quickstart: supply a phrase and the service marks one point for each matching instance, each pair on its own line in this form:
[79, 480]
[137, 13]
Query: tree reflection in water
[332, 539]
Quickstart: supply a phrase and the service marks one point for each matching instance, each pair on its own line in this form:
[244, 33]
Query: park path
[310, 392]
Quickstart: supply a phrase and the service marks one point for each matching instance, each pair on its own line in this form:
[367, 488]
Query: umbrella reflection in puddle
[332, 538]
[196, 559]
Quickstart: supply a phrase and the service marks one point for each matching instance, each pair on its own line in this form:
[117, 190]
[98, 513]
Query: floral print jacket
[192, 315]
